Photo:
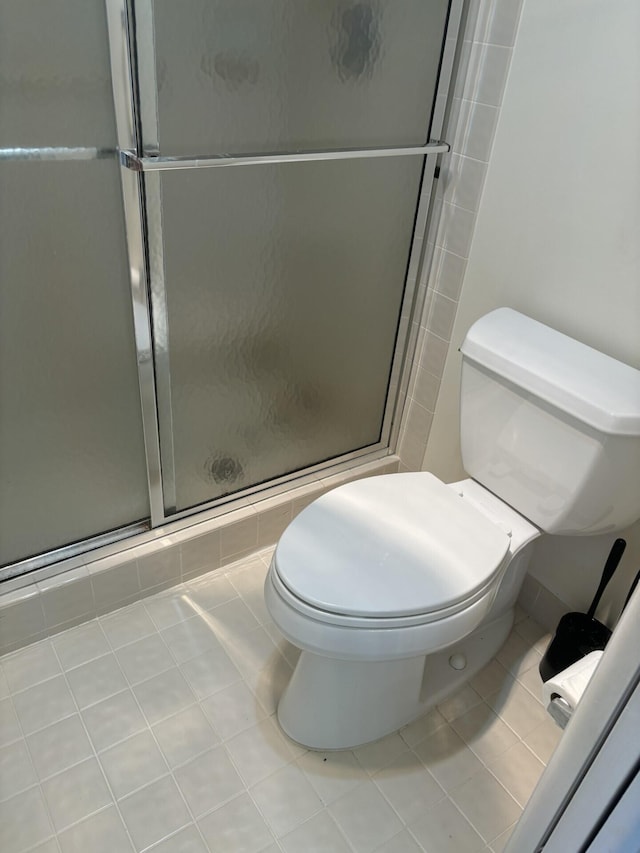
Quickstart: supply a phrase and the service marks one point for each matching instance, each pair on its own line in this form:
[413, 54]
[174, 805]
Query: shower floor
[153, 728]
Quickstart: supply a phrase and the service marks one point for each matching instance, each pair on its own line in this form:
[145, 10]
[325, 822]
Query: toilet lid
[394, 545]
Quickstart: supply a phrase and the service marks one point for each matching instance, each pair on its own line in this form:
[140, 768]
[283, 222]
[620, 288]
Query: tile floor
[153, 728]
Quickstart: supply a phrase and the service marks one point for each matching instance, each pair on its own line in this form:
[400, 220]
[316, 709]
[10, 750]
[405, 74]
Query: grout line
[150, 729]
[36, 785]
[95, 756]
[99, 763]
[39, 783]
[473, 41]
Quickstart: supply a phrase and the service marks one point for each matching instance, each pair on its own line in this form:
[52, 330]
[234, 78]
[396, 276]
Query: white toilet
[399, 588]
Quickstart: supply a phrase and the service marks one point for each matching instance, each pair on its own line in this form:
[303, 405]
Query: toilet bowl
[399, 588]
[367, 590]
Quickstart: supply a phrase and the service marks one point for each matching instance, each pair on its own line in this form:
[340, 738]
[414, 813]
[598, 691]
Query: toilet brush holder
[579, 634]
[576, 636]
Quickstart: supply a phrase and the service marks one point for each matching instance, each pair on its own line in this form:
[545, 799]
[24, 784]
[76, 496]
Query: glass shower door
[283, 287]
[72, 461]
[282, 145]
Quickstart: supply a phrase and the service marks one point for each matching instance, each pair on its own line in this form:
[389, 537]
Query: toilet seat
[369, 622]
[388, 552]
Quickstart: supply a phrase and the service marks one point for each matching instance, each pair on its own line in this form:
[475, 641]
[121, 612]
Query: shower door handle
[157, 164]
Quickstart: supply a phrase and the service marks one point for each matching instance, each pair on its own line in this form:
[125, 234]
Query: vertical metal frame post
[149, 145]
[119, 22]
[422, 246]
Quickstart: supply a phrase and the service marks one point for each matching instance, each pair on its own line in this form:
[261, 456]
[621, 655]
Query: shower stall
[212, 220]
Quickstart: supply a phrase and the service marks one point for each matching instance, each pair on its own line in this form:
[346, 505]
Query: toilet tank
[550, 425]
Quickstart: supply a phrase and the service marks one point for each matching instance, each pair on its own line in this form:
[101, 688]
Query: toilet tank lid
[575, 378]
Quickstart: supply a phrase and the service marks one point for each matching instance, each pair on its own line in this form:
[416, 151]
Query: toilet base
[334, 704]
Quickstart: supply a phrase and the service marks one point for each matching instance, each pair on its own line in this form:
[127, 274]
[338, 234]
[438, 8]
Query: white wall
[558, 231]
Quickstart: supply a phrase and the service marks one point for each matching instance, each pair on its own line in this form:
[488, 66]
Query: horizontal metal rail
[49, 154]
[159, 164]
[72, 555]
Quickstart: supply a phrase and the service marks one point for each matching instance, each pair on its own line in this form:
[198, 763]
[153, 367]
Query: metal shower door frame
[130, 26]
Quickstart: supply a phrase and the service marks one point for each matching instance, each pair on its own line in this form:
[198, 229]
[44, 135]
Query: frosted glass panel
[284, 286]
[71, 451]
[55, 86]
[72, 462]
[289, 75]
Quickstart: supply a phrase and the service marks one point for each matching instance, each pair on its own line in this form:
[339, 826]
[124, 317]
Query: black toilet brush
[578, 634]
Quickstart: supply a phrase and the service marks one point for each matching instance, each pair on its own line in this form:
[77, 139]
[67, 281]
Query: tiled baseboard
[105, 583]
[543, 606]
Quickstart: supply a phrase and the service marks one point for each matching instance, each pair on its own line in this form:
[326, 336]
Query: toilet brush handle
[615, 554]
[630, 593]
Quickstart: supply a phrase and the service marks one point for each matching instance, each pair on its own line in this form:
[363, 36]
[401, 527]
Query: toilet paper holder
[560, 710]
[562, 693]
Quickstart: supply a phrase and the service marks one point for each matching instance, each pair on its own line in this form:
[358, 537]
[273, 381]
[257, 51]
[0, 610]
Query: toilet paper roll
[571, 683]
